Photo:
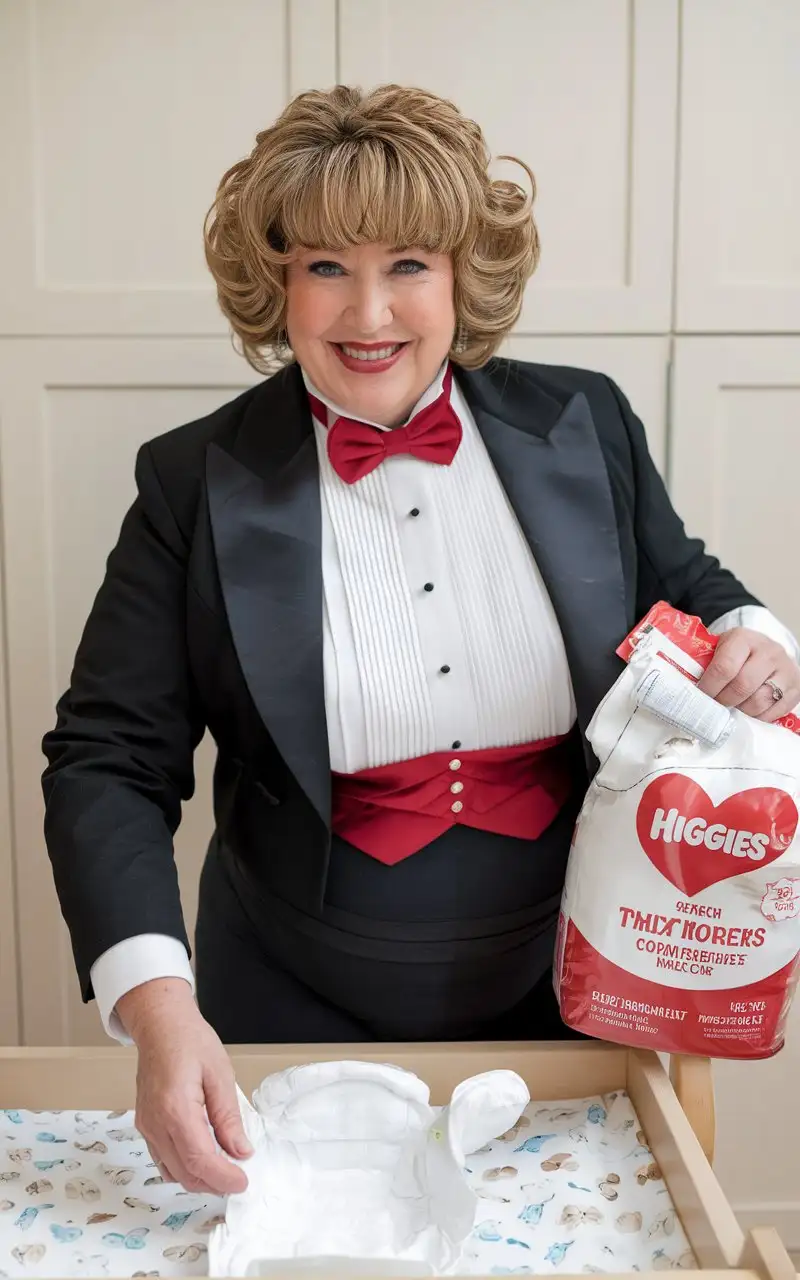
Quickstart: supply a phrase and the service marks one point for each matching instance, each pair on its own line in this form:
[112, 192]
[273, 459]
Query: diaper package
[680, 919]
[354, 1170]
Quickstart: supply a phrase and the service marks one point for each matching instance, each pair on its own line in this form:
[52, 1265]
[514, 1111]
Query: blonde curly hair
[393, 166]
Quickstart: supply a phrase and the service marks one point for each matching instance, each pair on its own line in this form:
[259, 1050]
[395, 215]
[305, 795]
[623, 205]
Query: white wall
[666, 144]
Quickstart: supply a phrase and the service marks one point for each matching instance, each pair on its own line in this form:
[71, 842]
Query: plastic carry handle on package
[680, 919]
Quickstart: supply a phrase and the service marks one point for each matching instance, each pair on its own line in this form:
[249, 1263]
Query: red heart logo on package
[695, 843]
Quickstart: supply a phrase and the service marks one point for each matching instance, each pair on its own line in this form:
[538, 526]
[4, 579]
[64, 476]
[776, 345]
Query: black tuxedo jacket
[210, 617]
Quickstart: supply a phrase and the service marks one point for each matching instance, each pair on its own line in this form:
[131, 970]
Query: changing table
[676, 1115]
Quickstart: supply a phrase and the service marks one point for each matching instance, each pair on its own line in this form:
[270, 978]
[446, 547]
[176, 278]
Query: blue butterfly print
[534, 1144]
[596, 1114]
[488, 1231]
[531, 1215]
[135, 1239]
[176, 1220]
[13, 1116]
[28, 1216]
[555, 1254]
[65, 1235]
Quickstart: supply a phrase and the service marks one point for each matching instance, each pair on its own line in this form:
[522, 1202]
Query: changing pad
[571, 1187]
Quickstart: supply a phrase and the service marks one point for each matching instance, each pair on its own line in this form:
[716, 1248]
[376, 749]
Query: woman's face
[370, 326]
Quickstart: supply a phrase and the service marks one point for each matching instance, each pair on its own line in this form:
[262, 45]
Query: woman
[390, 580]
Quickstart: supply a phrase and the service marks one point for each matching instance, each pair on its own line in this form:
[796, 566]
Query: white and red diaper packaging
[680, 919]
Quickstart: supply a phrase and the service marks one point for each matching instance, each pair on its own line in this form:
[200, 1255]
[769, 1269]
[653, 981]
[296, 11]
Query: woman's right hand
[185, 1082]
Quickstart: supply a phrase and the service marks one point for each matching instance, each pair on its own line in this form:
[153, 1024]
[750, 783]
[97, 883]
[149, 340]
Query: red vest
[395, 810]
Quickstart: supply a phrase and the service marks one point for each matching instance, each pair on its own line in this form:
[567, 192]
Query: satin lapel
[556, 479]
[265, 514]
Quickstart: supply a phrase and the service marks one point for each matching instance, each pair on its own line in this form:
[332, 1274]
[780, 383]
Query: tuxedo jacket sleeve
[120, 756]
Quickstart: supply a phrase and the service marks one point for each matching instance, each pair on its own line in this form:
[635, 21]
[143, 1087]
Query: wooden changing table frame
[675, 1111]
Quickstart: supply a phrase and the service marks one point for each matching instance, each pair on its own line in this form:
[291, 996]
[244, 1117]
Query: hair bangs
[368, 192]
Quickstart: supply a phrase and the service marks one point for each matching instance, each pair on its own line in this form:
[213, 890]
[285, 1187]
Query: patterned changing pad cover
[571, 1188]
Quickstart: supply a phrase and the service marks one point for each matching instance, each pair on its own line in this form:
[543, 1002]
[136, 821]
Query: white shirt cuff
[760, 619]
[130, 963]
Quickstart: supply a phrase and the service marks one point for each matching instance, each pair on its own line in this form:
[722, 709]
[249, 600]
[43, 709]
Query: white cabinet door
[735, 458]
[639, 366]
[739, 188]
[585, 92]
[116, 123]
[72, 415]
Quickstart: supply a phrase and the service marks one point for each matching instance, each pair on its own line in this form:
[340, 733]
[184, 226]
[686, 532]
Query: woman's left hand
[747, 671]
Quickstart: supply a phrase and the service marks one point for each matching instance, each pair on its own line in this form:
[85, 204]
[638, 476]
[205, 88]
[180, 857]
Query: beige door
[739, 191]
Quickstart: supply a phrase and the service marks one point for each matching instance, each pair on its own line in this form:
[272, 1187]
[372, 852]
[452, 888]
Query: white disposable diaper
[680, 921]
[352, 1162]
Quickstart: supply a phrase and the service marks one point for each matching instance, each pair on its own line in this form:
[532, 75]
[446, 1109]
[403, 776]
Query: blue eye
[328, 270]
[409, 267]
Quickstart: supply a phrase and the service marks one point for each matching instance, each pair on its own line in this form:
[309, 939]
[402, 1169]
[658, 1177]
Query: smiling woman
[385, 229]
[371, 310]
[390, 580]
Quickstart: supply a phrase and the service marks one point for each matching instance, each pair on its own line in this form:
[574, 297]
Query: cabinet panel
[735, 458]
[117, 122]
[739, 187]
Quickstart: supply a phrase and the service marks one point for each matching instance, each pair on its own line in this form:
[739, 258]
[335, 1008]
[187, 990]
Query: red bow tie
[355, 448]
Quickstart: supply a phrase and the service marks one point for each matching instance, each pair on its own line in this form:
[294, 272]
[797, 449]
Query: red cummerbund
[395, 810]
